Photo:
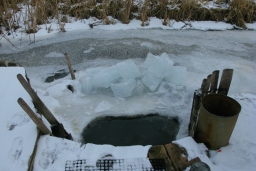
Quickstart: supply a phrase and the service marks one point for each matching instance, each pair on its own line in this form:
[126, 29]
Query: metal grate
[117, 165]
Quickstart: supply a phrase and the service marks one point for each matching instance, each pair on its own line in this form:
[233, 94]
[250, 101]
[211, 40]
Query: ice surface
[90, 72]
[103, 106]
[88, 50]
[151, 81]
[106, 77]
[87, 85]
[128, 69]
[158, 65]
[177, 75]
[54, 55]
[123, 89]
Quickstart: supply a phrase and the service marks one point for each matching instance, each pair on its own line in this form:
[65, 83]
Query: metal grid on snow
[116, 165]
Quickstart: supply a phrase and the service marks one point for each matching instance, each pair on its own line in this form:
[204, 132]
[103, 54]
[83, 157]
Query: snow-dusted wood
[34, 117]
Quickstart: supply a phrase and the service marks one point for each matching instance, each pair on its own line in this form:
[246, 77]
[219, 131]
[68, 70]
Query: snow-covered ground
[199, 52]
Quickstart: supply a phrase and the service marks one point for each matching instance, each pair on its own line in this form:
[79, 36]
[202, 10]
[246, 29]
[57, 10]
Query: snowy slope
[17, 129]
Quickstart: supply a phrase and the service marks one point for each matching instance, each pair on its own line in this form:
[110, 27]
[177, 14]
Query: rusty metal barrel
[217, 118]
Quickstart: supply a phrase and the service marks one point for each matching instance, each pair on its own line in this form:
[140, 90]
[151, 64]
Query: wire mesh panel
[117, 165]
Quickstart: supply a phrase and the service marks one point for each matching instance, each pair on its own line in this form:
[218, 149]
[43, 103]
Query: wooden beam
[194, 114]
[70, 67]
[33, 116]
[214, 81]
[40, 106]
[203, 89]
[177, 155]
[158, 152]
[225, 81]
[207, 85]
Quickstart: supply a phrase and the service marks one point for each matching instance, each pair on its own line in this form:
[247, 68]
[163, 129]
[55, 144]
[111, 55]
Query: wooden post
[70, 67]
[214, 81]
[194, 113]
[207, 85]
[225, 81]
[203, 89]
[34, 117]
[40, 106]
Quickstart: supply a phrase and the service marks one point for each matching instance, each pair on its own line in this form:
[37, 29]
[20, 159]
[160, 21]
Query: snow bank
[52, 153]
[18, 131]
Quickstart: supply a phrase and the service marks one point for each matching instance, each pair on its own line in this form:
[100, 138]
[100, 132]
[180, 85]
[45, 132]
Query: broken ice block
[128, 69]
[106, 77]
[90, 72]
[177, 75]
[87, 85]
[151, 81]
[123, 89]
[139, 88]
[158, 65]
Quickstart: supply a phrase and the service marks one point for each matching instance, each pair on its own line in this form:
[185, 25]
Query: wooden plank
[70, 67]
[158, 152]
[225, 81]
[204, 82]
[194, 114]
[34, 117]
[32, 157]
[207, 85]
[177, 155]
[214, 81]
[39, 105]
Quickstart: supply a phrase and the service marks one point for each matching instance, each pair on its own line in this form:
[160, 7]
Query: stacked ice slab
[125, 78]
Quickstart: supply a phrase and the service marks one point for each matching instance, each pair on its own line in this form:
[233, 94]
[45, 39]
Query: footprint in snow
[18, 119]
[16, 149]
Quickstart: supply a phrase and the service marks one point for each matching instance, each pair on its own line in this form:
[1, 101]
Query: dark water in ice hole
[125, 131]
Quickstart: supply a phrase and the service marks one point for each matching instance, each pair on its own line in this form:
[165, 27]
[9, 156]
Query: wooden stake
[34, 117]
[208, 83]
[70, 67]
[194, 114]
[40, 106]
[225, 81]
[203, 89]
[214, 81]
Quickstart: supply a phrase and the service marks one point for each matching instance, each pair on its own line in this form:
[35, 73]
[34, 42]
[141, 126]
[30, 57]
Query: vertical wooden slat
[214, 81]
[70, 67]
[207, 85]
[42, 109]
[194, 113]
[33, 116]
[203, 89]
[225, 81]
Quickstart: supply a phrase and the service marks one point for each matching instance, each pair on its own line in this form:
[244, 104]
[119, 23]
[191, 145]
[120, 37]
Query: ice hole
[151, 129]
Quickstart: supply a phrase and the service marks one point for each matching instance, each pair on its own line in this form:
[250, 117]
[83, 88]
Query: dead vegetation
[33, 13]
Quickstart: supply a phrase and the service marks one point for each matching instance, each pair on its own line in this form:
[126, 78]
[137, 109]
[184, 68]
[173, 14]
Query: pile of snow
[18, 132]
[126, 77]
[53, 153]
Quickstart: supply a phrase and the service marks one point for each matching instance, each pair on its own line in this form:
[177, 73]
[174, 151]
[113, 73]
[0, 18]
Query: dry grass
[33, 13]
[242, 11]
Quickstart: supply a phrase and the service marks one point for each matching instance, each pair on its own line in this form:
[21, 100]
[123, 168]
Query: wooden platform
[175, 157]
